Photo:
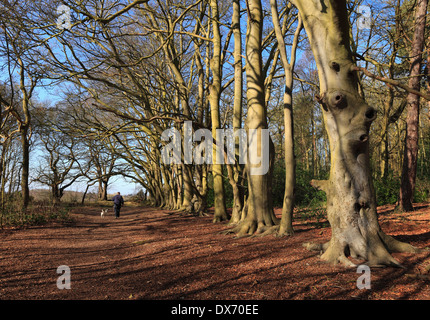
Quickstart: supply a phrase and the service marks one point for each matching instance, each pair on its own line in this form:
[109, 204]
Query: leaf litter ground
[158, 254]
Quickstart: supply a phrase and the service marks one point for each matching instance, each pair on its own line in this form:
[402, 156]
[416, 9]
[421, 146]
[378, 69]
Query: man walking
[118, 202]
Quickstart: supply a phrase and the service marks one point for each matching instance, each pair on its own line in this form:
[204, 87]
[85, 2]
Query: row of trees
[127, 71]
[60, 157]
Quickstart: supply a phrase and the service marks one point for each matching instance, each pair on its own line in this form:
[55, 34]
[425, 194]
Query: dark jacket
[118, 200]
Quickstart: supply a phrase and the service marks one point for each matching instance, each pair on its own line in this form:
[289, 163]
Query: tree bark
[260, 215]
[220, 213]
[413, 105]
[286, 224]
[24, 124]
[351, 201]
[236, 171]
[56, 193]
[25, 173]
[103, 185]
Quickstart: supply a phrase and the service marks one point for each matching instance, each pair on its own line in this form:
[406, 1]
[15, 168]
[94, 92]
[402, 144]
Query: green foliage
[305, 194]
[312, 200]
[422, 190]
[387, 190]
[228, 190]
[278, 185]
[316, 216]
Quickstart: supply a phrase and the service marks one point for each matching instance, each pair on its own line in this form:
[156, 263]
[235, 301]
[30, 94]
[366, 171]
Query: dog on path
[104, 211]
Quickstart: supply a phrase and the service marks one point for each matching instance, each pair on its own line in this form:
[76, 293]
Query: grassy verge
[36, 214]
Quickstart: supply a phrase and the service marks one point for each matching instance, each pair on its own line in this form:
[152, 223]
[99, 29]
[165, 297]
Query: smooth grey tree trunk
[220, 213]
[286, 224]
[351, 201]
[260, 216]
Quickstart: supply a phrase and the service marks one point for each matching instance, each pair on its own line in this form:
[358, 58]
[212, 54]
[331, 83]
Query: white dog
[103, 212]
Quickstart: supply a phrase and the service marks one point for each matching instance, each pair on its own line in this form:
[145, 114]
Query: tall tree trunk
[260, 215]
[201, 170]
[102, 194]
[286, 225]
[24, 125]
[351, 201]
[385, 152]
[3, 164]
[235, 173]
[413, 104]
[220, 213]
[85, 194]
[56, 194]
[428, 72]
[25, 190]
[180, 182]
[315, 163]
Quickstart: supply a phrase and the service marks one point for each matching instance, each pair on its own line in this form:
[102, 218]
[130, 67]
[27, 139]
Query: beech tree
[235, 172]
[141, 67]
[18, 47]
[260, 216]
[351, 203]
[286, 224]
[214, 99]
[61, 153]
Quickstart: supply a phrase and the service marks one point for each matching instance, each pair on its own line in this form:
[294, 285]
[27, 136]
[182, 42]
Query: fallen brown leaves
[157, 254]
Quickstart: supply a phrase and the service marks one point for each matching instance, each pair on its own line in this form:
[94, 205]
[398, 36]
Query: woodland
[88, 87]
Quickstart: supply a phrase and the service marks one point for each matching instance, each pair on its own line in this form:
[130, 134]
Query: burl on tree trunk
[351, 201]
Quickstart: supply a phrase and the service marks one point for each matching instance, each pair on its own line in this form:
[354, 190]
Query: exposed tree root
[376, 254]
[245, 228]
[275, 231]
[201, 214]
[250, 228]
[418, 276]
[314, 246]
[219, 219]
[394, 245]
[233, 223]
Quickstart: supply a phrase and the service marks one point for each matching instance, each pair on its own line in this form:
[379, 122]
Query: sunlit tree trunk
[220, 213]
[286, 225]
[260, 214]
[351, 203]
[235, 171]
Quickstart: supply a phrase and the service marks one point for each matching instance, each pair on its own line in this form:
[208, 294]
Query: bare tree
[59, 165]
[17, 47]
[351, 204]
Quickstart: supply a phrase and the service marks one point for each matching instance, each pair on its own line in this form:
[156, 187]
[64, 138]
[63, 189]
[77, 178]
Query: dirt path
[155, 254]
